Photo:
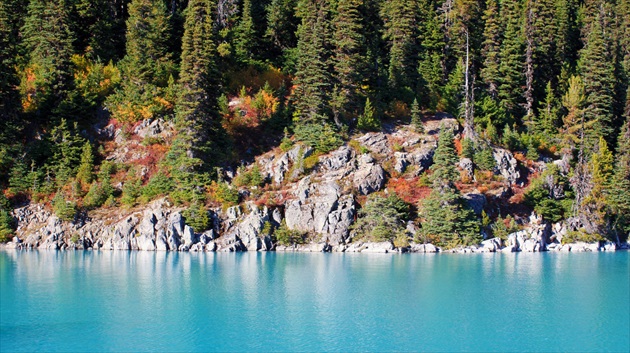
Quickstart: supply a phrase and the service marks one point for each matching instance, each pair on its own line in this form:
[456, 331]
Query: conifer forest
[109, 105]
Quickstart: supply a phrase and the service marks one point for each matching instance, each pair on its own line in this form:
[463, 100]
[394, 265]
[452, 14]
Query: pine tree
[368, 121]
[511, 59]
[491, 48]
[349, 58]
[313, 79]
[10, 15]
[445, 215]
[573, 121]
[548, 113]
[197, 114]
[282, 24]
[444, 159]
[147, 68]
[597, 72]
[595, 204]
[244, 34]
[416, 117]
[85, 172]
[400, 23]
[100, 28]
[47, 79]
[619, 192]
[431, 47]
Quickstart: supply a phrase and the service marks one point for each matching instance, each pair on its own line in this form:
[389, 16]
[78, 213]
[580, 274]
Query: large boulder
[320, 208]
[369, 177]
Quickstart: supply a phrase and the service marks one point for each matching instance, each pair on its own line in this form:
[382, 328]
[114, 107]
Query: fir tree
[85, 172]
[416, 117]
[368, 121]
[548, 113]
[430, 68]
[147, 68]
[244, 33]
[47, 79]
[619, 192]
[349, 57]
[399, 18]
[491, 48]
[597, 72]
[445, 215]
[313, 79]
[573, 121]
[511, 61]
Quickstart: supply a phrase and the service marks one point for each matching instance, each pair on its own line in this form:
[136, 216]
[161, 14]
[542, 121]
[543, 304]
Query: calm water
[119, 301]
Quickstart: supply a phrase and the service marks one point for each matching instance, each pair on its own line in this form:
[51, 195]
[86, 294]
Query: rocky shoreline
[161, 227]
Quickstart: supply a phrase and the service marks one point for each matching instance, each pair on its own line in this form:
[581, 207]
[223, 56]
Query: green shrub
[63, 209]
[131, 192]
[322, 137]
[368, 121]
[250, 177]
[468, 149]
[98, 194]
[381, 218]
[6, 226]
[225, 195]
[158, 185]
[484, 159]
[286, 236]
[581, 235]
[197, 217]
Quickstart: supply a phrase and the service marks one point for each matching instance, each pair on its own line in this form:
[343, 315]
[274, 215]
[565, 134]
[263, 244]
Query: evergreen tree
[619, 192]
[368, 121]
[100, 28]
[147, 68]
[573, 102]
[597, 72]
[313, 79]
[86, 166]
[47, 79]
[349, 58]
[491, 47]
[548, 113]
[445, 215]
[596, 204]
[416, 117]
[431, 47]
[511, 61]
[282, 24]
[197, 115]
[400, 23]
[244, 34]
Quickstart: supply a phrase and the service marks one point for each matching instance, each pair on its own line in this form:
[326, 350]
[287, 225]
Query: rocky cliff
[321, 200]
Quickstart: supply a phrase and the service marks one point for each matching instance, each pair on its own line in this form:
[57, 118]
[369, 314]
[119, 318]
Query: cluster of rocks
[321, 203]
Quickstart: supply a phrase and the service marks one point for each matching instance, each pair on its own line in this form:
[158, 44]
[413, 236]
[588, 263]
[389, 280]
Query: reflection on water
[140, 301]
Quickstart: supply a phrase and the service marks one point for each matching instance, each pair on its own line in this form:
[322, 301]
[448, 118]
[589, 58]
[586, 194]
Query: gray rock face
[370, 177]
[375, 142]
[507, 165]
[249, 228]
[321, 209]
[468, 167]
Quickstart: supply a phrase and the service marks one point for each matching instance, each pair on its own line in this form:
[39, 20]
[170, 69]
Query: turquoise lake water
[140, 301]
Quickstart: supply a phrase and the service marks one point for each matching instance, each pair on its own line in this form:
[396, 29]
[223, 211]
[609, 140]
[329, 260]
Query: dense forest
[546, 79]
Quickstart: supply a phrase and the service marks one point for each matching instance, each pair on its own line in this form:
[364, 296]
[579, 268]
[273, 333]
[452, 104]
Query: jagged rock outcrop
[506, 165]
[320, 208]
[369, 177]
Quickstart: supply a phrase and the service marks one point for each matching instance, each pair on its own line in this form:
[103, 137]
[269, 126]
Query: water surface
[140, 301]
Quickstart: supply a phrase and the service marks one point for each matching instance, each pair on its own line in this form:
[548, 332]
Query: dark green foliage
[444, 160]
[468, 148]
[545, 194]
[597, 71]
[197, 217]
[132, 190]
[382, 218]
[248, 177]
[368, 121]
[484, 159]
[47, 80]
[322, 137]
[158, 185]
[6, 226]
[99, 193]
[511, 58]
[313, 79]
[446, 218]
[226, 195]
[416, 117]
[286, 236]
[349, 58]
[65, 210]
